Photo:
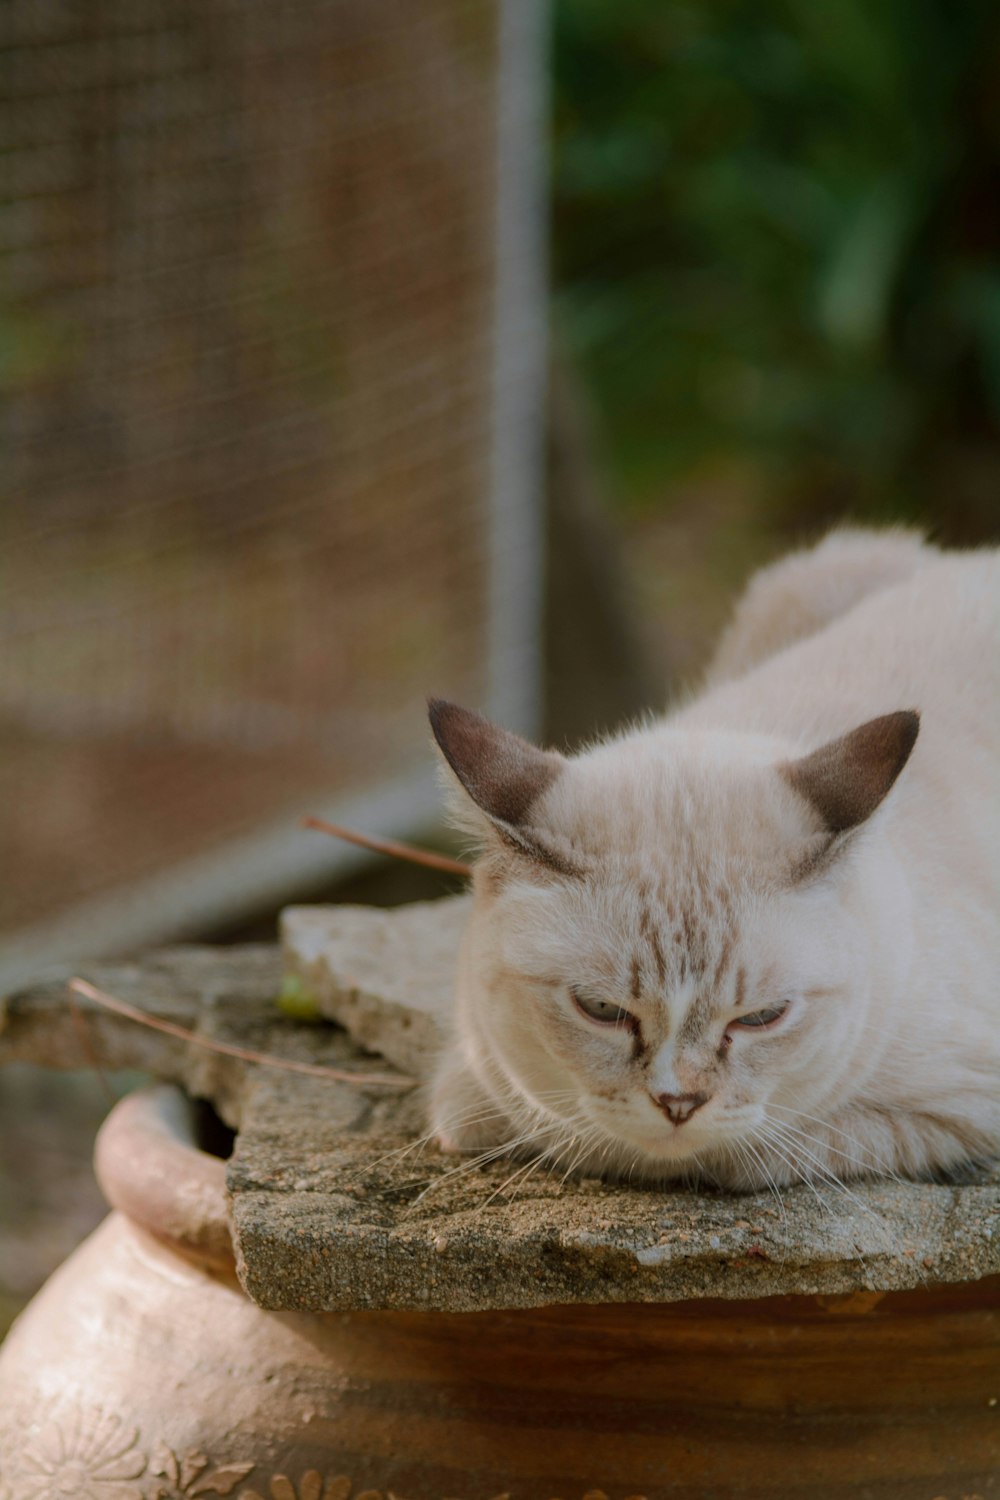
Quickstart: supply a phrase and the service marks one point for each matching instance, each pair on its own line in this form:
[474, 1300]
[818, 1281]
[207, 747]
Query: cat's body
[759, 939]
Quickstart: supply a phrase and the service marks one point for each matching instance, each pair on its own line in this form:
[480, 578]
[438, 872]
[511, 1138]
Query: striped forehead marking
[648, 930]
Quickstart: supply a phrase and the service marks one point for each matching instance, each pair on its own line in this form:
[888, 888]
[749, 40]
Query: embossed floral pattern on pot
[82, 1456]
[191, 1474]
[311, 1486]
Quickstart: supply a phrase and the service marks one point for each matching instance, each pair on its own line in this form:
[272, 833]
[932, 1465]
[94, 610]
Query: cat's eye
[761, 1018]
[604, 1012]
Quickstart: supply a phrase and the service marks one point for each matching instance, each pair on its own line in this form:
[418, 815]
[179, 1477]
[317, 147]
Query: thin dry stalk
[229, 1049]
[391, 847]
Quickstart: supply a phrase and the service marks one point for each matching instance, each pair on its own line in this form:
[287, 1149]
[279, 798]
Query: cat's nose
[679, 1107]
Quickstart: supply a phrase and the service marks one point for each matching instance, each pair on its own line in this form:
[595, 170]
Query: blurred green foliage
[777, 240]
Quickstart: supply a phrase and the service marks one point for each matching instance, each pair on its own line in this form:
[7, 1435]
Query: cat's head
[670, 929]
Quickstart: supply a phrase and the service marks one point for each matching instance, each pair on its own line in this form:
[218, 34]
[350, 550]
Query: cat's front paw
[458, 1142]
[464, 1118]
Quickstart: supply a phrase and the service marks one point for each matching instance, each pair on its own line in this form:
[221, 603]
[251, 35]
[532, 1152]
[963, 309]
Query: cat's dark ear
[504, 775]
[846, 780]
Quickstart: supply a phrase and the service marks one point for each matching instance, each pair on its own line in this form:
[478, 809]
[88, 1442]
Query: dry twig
[390, 846]
[230, 1049]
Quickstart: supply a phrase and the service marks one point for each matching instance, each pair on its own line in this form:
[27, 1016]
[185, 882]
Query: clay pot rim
[151, 1169]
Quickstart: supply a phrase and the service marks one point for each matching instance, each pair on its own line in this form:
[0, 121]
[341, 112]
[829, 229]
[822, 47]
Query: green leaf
[296, 1001]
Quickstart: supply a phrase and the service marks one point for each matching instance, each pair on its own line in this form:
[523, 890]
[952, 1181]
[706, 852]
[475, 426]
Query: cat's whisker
[784, 1153]
[568, 1169]
[478, 1116]
[588, 1140]
[526, 1169]
[637, 1158]
[556, 1148]
[793, 1141]
[534, 1126]
[801, 1140]
[533, 1167]
[805, 1136]
[609, 1145]
[807, 1181]
[598, 1136]
[768, 1176]
[636, 1161]
[797, 1143]
[691, 1174]
[473, 1164]
[746, 1157]
[877, 1160]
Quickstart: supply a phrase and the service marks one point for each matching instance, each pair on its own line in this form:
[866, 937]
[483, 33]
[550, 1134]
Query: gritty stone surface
[222, 994]
[372, 1218]
[337, 1201]
[336, 1205]
[387, 976]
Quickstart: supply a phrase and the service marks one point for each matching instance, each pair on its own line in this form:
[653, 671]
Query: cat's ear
[846, 780]
[504, 775]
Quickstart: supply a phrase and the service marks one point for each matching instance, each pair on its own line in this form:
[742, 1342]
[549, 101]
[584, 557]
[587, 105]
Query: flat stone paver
[337, 1204]
[222, 994]
[357, 964]
[335, 1207]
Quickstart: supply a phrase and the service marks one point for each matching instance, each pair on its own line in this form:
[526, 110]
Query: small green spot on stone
[296, 1001]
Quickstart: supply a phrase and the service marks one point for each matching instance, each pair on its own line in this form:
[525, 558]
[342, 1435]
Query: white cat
[757, 940]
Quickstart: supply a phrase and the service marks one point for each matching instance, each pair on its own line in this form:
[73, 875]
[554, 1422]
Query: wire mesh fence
[252, 299]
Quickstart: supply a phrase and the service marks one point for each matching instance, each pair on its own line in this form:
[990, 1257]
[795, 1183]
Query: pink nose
[679, 1107]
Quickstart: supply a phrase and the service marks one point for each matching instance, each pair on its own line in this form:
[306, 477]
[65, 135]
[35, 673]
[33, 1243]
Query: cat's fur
[774, 840]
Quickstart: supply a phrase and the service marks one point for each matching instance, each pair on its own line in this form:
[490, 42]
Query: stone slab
[360, 1216]
[386, 976]
[222, 994]
[338, 1203]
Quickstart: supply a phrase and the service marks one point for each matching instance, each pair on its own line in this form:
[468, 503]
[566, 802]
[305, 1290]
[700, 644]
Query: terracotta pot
[142, 1372]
